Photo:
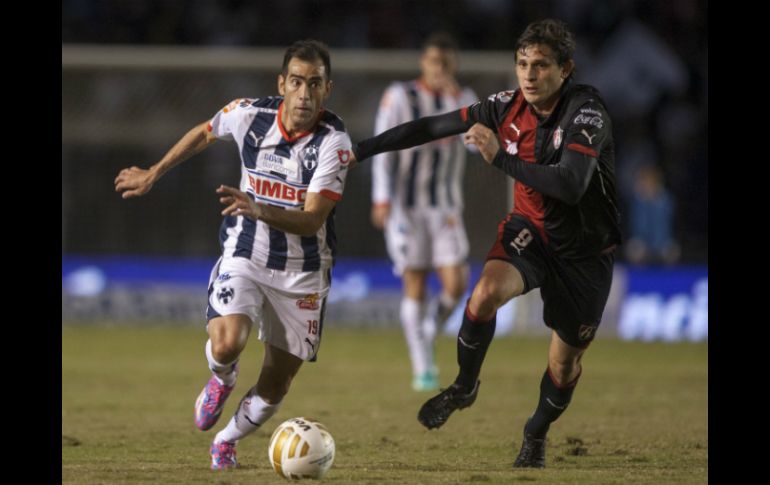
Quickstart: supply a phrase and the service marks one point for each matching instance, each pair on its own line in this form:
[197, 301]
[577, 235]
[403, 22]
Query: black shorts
[574, 292]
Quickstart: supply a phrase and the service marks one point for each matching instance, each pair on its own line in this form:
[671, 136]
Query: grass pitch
[639, 413]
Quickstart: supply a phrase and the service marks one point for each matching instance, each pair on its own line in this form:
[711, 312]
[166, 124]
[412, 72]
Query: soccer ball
[301, 448]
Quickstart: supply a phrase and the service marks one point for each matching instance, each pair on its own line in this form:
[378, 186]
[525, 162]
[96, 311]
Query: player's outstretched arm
[135, 181]
[410, 134]
[306, 222]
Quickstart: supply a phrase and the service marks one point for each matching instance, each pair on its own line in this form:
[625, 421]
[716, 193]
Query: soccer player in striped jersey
[417, 200]
[277, 237]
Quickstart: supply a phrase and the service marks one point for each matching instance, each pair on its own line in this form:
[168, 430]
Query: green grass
[639, 414]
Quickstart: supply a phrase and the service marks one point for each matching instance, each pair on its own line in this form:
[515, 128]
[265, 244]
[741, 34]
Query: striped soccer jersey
[428, 175]
[280, 171]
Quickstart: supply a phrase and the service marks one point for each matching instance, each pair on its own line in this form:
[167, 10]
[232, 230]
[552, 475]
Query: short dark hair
[553, 33]
[309, 51]
[440, 40]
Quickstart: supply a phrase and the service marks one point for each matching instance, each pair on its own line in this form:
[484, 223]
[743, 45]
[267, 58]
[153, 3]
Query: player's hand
[485, 139]
[238, 203]
[134, 182]
[380, 214]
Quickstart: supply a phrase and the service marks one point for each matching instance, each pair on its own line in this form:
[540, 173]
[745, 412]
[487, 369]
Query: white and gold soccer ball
[301, 448]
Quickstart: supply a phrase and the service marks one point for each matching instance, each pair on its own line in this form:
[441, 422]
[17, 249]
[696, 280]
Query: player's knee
[225, 349]
[486, 298]
[564, 370]
[456, 291]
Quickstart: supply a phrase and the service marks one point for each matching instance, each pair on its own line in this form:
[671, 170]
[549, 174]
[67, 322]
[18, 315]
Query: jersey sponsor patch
[270, 162]
[309, 302]
[274, 190]
[344, 156]
[589, 119]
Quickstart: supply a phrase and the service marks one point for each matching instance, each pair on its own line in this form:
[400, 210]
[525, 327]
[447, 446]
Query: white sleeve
[333, 162]
[226, 122]
[388, 116]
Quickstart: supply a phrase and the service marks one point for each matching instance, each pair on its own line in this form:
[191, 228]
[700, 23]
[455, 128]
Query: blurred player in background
[554, 137]
[417, 199]
[277, 237]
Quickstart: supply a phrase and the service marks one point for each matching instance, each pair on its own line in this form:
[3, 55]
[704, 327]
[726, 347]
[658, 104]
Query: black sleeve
[413, 133]
[566, 181]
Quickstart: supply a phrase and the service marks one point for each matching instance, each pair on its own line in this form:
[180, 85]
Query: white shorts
[425, 238]
[289, 306]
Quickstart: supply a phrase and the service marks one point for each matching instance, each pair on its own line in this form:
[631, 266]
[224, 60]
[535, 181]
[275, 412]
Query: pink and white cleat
[210, 403]
[223, 455]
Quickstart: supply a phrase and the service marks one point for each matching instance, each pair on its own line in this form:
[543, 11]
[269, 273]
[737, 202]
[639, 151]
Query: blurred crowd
[648, 58]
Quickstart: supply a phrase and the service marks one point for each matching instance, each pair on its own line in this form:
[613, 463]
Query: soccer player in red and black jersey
[554, 137]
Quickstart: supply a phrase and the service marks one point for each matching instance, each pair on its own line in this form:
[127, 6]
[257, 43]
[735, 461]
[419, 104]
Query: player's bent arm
[306, 222]
[135, 181]
[192, 143]
[412, 133]
[566, 181]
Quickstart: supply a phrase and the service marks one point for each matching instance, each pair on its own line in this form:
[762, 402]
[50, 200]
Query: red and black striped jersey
[579, 123]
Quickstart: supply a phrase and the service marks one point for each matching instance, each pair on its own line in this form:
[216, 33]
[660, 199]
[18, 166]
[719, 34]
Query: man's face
[540, 77]
[304, 88]
[437, 65]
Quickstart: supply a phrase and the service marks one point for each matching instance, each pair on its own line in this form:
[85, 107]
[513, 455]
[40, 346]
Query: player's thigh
[407, 241]
[279, 365]
[519, 244]
[499, 282]
[454, 279]
[232, 292]
[293, 319]
[449, 241]
[414, 281]
[574, 298]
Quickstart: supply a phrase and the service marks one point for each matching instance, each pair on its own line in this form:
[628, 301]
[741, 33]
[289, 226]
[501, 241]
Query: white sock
[252, 412]
[225, 373]
[412, 315]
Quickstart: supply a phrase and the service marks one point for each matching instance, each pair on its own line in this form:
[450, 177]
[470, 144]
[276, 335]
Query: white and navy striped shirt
[428, 175]
[280, 171]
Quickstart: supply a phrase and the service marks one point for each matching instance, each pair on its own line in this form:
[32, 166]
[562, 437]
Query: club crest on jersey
[310, 302]
[225, 295]
[309, 156]
[557, 136]
[586, 332]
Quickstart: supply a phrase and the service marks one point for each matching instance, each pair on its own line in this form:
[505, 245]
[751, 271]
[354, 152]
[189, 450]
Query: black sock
[553, 402]
[472, 343]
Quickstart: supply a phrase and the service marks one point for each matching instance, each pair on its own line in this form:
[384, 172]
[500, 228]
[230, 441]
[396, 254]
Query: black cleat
[531, 454]
[437, 409]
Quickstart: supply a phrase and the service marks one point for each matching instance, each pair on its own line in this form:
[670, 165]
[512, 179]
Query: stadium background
[137, 74]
